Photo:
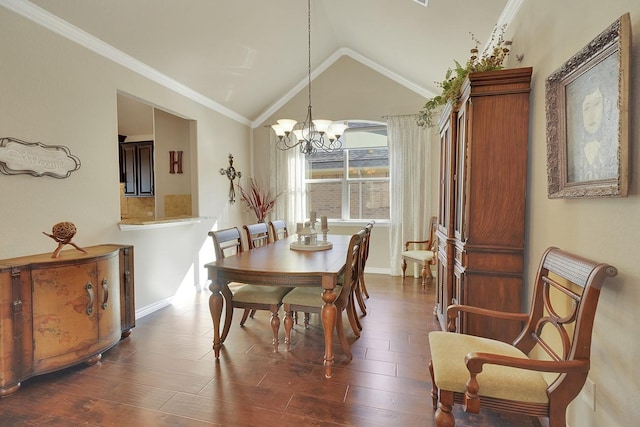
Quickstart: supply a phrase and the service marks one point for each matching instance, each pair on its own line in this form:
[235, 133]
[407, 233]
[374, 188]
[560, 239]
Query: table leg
[329, 314]
[215, 306]
[228, 315]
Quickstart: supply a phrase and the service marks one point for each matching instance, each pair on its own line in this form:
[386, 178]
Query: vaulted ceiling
[244, 56]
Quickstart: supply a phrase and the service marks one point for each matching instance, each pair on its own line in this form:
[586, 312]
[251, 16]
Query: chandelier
[310, 135]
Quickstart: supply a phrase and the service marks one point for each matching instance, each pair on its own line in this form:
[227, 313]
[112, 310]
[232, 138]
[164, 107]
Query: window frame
[346, 180]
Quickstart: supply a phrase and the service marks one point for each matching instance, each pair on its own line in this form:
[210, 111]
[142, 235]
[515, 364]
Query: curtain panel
[410, 185]
[287, 174]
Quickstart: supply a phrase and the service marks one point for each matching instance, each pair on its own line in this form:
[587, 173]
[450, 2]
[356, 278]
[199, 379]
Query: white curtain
[410, 185]
[287, 172]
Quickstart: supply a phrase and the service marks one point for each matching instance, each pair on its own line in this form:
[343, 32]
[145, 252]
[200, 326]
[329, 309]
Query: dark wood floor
[164, 374]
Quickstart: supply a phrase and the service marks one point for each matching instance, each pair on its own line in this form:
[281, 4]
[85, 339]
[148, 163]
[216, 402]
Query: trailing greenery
[490, 60]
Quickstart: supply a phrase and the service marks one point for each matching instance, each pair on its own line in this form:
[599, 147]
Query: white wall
[171, 134]
[548, 33]
[59, 93]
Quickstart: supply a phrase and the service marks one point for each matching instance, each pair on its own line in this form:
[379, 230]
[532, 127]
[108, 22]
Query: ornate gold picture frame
[587, 111]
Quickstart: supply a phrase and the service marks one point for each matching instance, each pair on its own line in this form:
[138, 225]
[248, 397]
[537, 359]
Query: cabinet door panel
[145, 170]
[64, 316]
[128, 153]
[460, 175]
[108, 301]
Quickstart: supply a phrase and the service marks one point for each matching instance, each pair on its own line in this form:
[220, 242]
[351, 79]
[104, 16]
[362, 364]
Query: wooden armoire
[482, 194]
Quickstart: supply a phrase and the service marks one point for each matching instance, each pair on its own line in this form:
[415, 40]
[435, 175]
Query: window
[352, 183]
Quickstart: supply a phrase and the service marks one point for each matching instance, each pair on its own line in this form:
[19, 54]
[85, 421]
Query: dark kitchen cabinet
[136, 168]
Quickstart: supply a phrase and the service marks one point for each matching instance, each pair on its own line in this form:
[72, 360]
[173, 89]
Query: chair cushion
[307, 296]
[234, 286]
[450, 372]
[418, 256]
[257, 294]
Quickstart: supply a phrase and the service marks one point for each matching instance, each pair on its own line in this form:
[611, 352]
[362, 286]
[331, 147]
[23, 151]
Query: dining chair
[547, 364]
[257, 234]
[246, 296]
[361, 289]
[278, 229]
[309, 299]
[423, 253]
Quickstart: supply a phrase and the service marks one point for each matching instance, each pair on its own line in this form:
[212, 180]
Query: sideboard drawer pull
[89, 288]
[105, 290]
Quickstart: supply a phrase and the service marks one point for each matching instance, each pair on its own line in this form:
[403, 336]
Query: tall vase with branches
[258, 198]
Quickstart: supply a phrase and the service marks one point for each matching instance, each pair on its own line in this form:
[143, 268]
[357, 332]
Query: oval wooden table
[277, 264]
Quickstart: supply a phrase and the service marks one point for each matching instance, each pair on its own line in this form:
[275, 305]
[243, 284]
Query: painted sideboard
[58, 312]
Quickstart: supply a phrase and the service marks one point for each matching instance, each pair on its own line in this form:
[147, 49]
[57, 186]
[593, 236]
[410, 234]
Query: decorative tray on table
[319, 246]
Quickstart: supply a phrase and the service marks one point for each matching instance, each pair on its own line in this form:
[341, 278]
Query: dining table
[280, 264]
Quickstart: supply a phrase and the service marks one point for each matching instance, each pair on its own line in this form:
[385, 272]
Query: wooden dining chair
[361, 290]
[422, 252]
[512, 377]
[257, 234]
[309, 299]
[278, 229]
[246, 296]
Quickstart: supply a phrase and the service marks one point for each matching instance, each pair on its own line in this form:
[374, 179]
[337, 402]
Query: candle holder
[324, 234]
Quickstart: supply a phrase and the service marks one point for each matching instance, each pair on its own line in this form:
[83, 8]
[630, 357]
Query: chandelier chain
[310, 135]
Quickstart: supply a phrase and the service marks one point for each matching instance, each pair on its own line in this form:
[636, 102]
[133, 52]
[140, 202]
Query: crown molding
[328, 63]
[75, 34]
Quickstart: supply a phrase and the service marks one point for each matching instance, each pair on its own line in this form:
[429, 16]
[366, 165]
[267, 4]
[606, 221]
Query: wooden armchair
[423, 253]
[480, 372]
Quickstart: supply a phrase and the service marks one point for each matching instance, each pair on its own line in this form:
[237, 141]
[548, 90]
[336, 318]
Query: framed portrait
[587, 112]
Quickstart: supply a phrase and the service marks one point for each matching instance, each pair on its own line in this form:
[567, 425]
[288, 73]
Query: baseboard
[144, 311]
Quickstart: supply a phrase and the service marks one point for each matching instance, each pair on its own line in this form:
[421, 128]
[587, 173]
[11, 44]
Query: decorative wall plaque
[36, 158]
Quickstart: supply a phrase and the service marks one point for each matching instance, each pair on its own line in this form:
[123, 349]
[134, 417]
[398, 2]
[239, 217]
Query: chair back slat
[563, 307]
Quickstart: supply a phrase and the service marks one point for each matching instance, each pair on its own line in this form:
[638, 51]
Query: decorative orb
[63, 231]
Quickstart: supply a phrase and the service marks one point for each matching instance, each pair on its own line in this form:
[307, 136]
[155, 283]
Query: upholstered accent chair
[246, 296]
[422, 252]
[547, 364]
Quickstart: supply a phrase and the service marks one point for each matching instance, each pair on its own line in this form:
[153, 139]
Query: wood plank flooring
[164, 373]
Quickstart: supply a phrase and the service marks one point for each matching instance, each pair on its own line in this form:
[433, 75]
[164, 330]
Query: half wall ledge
[144, 224]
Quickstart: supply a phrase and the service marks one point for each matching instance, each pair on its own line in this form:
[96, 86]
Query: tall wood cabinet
[483, 176]
[57, 312]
